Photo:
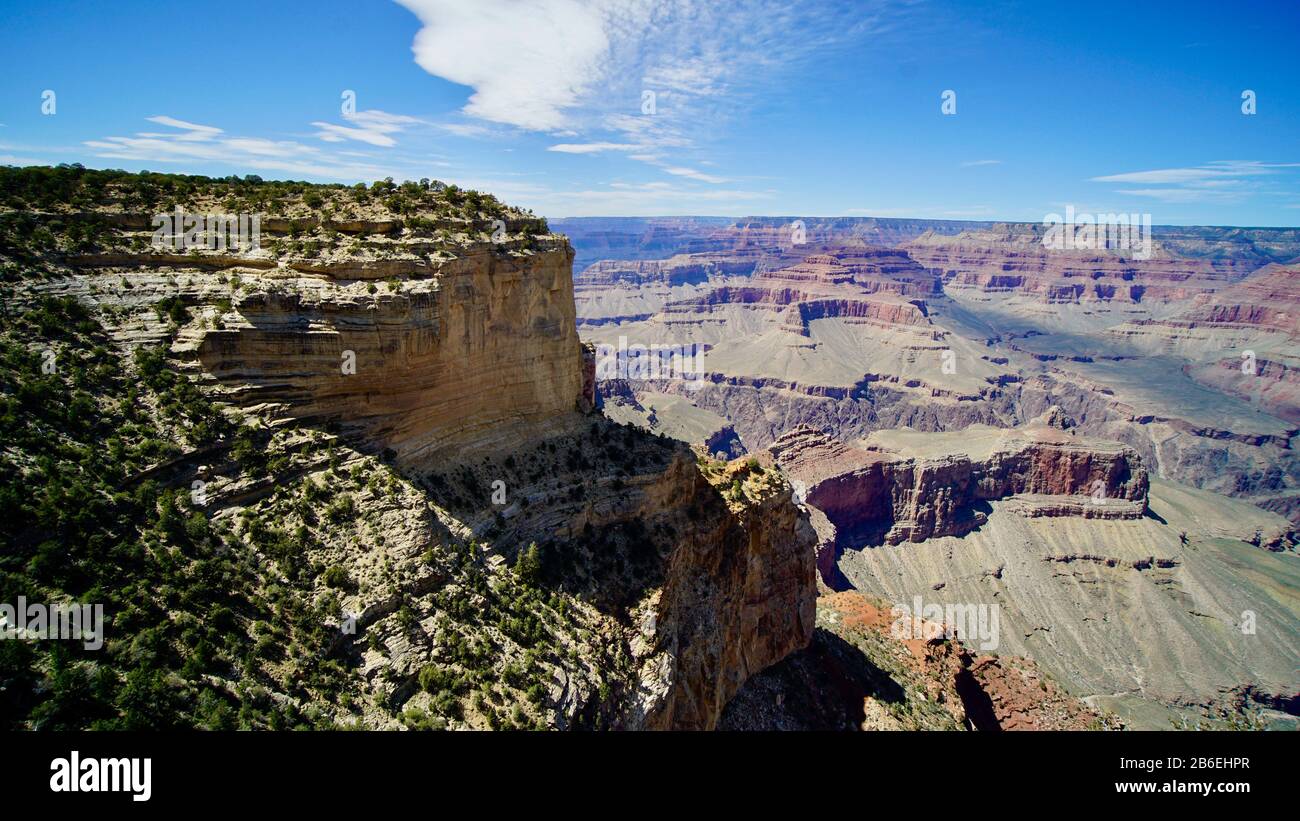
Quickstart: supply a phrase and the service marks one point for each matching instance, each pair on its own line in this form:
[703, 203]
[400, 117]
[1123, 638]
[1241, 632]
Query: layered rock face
[1010, 259]
[1272, 383]
[489, 342]
[868, 284]
[845, 335]
[1268, 300]
[918, 491]
[988, 326]
[736, 599]
[701, 571]
[445, 371]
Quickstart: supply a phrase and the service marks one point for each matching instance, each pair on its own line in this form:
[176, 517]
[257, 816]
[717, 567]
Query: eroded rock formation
[485, 343]
[933, 486]
[443, 368]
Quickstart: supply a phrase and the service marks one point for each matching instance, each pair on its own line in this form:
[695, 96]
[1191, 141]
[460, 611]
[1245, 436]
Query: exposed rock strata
[1005, 260]
[490, 343]
[907, 496]
[464, 369]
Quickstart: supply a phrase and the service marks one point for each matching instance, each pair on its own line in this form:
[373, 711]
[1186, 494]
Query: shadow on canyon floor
[820, 688]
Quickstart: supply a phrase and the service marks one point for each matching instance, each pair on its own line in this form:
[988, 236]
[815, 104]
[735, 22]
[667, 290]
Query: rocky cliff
[921, 486]
[384, 404]
[486, 342]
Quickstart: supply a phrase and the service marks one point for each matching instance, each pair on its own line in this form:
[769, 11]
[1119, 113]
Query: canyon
[946, 397]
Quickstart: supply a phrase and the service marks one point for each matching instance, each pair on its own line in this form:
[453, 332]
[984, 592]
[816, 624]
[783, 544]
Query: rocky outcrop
[488, 344]
[702, 568]
[649, 592]
[935, 489]
[732, 604]
[863, 673]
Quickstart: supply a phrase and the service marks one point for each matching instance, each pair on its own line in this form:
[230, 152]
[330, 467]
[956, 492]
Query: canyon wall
[892, 497]
[462, 368]
[487, 343]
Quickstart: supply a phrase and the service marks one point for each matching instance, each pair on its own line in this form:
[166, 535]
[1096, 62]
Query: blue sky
[764, 107]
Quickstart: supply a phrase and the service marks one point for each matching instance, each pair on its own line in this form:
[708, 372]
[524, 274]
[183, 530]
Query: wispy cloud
[192, 131]
[1222, 181]
[594, 148]
[974, 163]
[374, 127]
[649, 78]
[192, 142]
[693, 174]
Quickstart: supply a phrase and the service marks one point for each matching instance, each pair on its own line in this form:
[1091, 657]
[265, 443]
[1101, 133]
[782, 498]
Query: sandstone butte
[921, 486]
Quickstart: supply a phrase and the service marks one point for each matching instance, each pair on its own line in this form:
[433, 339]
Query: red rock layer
[1269, 299]
[982, 692]
[1019, 263]
[870, 495]
[874, 285]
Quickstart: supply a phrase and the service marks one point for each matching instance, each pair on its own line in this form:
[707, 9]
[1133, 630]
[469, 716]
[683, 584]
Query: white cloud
[526, 61]
[1222, 181]
[974, 163]
[192, 143]
[691, 173]
[593, 148]
[373, 126]
[1200, 174]
[1185, 195]
[193, 131]
[582, 67]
